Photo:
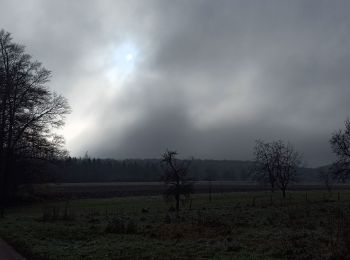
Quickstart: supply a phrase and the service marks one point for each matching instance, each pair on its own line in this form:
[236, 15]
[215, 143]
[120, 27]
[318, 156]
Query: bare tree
[340, 144]
[264, 170]
[29, 114]
[276, 163]
[326, 177]
[176, 178]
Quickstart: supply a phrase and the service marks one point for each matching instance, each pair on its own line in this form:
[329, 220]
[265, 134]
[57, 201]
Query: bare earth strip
[8, 253]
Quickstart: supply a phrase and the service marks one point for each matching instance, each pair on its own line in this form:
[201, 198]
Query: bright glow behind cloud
[121, 61]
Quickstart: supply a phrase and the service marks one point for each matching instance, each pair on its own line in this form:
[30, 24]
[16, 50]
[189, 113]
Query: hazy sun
[129, 57]
[122, 61]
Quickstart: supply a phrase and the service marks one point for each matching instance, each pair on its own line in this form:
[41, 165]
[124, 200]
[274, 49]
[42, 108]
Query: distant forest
[110, 170]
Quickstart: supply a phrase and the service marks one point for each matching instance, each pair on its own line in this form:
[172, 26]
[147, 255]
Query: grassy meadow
[238, 225]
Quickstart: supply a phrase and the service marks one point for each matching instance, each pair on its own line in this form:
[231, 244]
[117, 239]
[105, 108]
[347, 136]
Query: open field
[123, 189]
[240, 225]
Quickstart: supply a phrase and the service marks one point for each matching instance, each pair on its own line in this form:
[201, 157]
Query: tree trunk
[2, 198]
[177, 204]
[177, 197]
[3, 187]
[8, 188]
[284, 193]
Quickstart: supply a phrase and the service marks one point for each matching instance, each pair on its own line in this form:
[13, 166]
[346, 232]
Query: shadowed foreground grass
[251, 225]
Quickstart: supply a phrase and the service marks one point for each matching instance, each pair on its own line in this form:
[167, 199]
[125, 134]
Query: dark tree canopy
[29, 113]
[340, 144]
[276, 163]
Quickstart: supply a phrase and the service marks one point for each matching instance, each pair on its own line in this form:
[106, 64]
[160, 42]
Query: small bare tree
[276, 163]
[326, 177]
[176, 178]
[264, 165]
[340, 144]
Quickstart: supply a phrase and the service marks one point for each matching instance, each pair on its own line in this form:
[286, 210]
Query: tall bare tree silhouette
[29, 113]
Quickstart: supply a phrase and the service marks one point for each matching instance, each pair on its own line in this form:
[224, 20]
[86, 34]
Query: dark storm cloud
[209, 79]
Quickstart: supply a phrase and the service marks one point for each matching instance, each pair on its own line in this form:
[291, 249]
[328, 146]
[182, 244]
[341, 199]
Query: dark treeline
[110, 170]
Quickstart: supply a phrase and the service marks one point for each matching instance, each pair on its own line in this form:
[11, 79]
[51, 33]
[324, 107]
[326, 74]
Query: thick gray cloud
[204, 77]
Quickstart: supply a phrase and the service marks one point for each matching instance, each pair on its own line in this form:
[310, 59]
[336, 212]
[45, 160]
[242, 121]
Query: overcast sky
[203, 77]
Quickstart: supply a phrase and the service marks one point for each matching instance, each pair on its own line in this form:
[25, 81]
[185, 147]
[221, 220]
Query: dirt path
[8, 253]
